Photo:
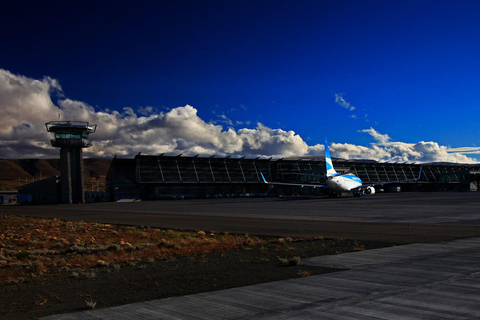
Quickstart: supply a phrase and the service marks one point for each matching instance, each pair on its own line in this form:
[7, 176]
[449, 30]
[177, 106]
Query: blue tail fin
[264, 180]
[328, 161]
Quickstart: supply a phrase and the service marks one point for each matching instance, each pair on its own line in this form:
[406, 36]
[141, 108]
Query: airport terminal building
[179, 177]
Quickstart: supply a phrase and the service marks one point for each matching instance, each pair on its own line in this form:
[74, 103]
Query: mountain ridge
[24, 171]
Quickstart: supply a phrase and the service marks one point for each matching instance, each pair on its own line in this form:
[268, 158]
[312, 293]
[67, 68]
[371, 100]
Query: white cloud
[423, 151]
[26, 106]
[223, 119]
[146, 111]
[342, 102]
[384, 149]
[465, 150]
[382, 139]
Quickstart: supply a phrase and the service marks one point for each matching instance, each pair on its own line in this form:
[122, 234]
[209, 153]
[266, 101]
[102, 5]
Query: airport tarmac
[392, 217]
[435, 279]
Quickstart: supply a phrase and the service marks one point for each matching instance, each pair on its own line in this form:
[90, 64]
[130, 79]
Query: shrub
[40, 301]
[293, 261]
[283, 260]
[91, 304]
[303, 273]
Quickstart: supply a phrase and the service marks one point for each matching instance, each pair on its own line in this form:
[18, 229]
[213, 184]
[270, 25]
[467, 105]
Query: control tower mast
[71, 137]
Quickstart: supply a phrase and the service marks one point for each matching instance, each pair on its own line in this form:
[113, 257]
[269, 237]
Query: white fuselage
[344, 183]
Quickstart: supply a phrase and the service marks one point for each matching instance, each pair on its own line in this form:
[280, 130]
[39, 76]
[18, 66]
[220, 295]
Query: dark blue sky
[410, 68]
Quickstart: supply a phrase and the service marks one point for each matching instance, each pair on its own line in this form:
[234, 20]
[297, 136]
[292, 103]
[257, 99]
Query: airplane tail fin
[328, 161]
[264, 180]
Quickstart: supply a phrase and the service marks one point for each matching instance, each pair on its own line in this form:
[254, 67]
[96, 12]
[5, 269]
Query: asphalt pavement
[393, 217]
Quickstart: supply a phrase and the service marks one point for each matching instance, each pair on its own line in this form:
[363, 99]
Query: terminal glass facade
[160, 176]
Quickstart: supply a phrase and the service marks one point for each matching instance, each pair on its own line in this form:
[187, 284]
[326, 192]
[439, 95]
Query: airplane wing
[309, 174]
[295, 184]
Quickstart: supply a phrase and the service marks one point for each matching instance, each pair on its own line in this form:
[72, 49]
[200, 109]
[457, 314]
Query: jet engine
[370, 190]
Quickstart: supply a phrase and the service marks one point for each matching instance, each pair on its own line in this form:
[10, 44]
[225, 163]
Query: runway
[394, 217]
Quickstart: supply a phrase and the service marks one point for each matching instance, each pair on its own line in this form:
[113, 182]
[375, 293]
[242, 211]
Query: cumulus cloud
[423, 151]
[27, 105]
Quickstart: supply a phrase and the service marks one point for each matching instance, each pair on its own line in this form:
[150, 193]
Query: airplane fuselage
[344, 183]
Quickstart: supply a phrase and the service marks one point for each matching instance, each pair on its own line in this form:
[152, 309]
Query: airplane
[339, 183]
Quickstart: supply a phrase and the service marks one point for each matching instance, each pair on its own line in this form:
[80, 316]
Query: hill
[18, 172]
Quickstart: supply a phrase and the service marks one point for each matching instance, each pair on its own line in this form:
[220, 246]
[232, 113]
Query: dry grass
[32, 248]
[303, 273]
[292, 261]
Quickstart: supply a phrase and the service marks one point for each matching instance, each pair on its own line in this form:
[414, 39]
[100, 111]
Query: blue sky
[406, 69]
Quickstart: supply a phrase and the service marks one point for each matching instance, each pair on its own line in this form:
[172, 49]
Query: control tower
[71, 137]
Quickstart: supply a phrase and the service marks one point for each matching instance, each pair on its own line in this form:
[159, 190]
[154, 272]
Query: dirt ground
[101, 287]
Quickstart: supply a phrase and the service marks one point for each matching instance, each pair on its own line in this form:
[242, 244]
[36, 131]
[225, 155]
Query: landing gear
[335, 194]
